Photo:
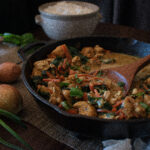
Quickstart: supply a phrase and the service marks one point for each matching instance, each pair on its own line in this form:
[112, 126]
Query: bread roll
[9, 72]
[10, 98]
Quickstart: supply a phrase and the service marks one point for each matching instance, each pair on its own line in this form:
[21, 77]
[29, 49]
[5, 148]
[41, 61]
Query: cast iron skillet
[89, 125]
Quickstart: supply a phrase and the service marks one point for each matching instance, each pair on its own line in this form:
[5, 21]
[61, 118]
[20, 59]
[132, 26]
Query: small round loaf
[9, 72]
[10, 98]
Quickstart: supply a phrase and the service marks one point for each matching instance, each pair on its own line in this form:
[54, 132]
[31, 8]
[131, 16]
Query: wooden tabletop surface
[34, 114]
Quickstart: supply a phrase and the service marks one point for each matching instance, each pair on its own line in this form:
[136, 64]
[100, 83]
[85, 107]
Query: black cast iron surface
[89, 125]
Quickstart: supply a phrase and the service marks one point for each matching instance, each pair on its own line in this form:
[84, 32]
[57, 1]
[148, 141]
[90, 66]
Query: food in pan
[73, 80]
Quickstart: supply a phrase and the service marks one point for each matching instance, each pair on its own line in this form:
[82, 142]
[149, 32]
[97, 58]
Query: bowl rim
[95, 11]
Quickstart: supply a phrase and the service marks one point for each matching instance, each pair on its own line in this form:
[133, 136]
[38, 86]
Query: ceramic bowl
[59, 27]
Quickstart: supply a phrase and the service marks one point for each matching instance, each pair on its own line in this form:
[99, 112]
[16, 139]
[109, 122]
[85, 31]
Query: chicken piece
[76, 61]
[118, 94]
[135, 91]
[88, 52]
[147, 99]
[35, 72]
[108, 83]
[56, 95]
[139, 110]
[106, 95]
[43, 89]
[98, 49]
[57, 52]
[66, 94]
[42, 65]
[147, 81]
[128, 107]
[85, 108]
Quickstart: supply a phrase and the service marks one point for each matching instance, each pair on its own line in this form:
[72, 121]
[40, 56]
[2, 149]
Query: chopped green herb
[63, 84]
[86, 68]
[121, 84]
[85, 88]
[75, 67]
[108, 106]
[76, 92]
[144, 105]
[138, 94]
[84, 59]
[65, 105]
[95, 100]
[75, 52]
[77, 79]
[100, 73]
[57, 61]
[110, 115]
[108, 61]
[101, 88]
[38, 80]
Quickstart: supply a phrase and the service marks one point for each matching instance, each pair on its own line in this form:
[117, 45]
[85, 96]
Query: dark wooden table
[52, 133]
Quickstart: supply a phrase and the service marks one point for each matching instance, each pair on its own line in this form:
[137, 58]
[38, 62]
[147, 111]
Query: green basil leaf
[144, 105]
[65, 105]
[100, 73]
[87, 68]
[75, 67]
[138, 94]
[57, 61]
[77, 79]
[63, 84]
[121, 84]
[76, 92]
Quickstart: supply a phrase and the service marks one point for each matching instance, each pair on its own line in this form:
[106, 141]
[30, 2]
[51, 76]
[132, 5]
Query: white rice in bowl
[68, 8]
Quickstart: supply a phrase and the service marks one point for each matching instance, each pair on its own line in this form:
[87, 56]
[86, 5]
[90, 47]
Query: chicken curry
[74, 80]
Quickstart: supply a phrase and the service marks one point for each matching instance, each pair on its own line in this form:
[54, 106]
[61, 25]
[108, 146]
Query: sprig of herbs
[20, 40]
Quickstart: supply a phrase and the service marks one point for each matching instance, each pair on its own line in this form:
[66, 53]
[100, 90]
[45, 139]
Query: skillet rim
[56, 108]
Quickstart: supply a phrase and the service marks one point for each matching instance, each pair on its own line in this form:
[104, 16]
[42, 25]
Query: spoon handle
[141, 63]
[129, 71]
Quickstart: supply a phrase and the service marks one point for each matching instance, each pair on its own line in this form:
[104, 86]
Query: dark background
[17, 16]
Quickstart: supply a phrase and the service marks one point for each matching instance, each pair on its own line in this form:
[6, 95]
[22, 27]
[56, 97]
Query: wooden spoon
[126, 73]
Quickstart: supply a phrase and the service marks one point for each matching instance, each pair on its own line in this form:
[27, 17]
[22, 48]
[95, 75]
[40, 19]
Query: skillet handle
[27, 50]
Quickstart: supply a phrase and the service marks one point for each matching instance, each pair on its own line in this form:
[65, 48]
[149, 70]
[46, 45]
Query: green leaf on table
[12, 38]
[12, 132]
[27, 38]
[20, 40]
